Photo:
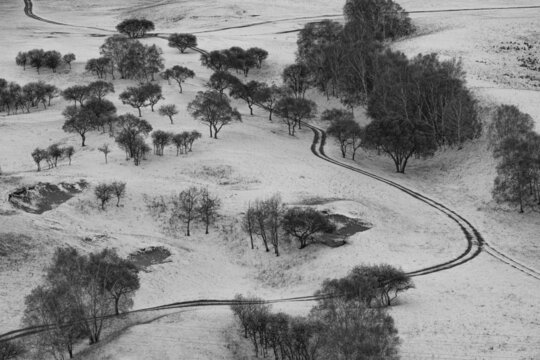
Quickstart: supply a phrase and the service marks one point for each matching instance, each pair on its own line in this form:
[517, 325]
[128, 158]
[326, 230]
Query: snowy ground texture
[481, 310]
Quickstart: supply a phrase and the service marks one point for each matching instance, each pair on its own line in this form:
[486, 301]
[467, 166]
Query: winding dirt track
[475, 242]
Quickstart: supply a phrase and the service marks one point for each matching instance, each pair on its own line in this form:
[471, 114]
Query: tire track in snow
[28, 10]
[475, 241]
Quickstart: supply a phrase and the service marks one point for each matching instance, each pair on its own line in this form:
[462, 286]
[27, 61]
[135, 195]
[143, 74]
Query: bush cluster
[268, 219]
[51, 155]
[127, 57]
[105, 192]
[38, 58]
[343, 325]
[183, 142]
[78, 294]
[516, 146]
[14, 97]
[236, 58]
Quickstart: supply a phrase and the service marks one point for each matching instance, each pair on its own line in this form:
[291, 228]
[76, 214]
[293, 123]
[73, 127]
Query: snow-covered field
[481, 310]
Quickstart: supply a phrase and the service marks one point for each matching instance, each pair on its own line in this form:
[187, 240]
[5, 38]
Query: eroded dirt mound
[43, 197]
[345, 228]
[153, 255]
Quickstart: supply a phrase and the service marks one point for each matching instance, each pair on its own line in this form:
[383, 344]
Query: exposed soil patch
[345, 228]
[14, 248]
[146, 257]
[43, 197]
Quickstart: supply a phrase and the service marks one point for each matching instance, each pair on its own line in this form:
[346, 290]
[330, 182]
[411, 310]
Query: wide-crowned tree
[216, 60]
[252, 93]
[76, 93]
[99, 89]
[52, 59]
[382, 19]
[182, 41]
[22, 59]
[69, 58]
[221, 81]
[179, 74]
[213, 109]
[104, 111]
[135, 96]
[135, 28]
[168, 110]
[294, 110]
[297, 78]
[36, 58]
[303, 223]
[80, 121]
[153, 93]
[258, 54]
[99, 67]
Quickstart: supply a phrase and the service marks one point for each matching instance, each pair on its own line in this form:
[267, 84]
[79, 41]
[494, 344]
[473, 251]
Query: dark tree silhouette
[182, 41]
[303, 223]
[213, 109]
[135, 28]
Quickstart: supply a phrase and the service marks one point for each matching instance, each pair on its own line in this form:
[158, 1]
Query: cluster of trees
[195, 204]
[268, 219]
[516, 146]
[341, 326]
[417, 105]
[131, 137]
[78, 294]
[127, 57]
[236, 58]
[51, 155]
[183, 142]
[105, 192]
[14, 97]
[281, 100]
[94, 111]
[135, 28]
[39, 58]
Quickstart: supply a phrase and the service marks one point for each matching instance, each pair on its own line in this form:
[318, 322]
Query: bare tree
[208, 207]
[69, 151]
[119, 190]
[105, 150]
[104, 194]
[185, 206]
[248, 223]
[168, 110]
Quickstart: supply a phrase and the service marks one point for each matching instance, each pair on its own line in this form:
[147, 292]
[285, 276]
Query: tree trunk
[116, 301]
[140, 114]
[170, 117]
[83, 140]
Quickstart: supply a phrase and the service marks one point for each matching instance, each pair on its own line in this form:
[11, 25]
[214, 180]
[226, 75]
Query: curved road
[475, 242]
